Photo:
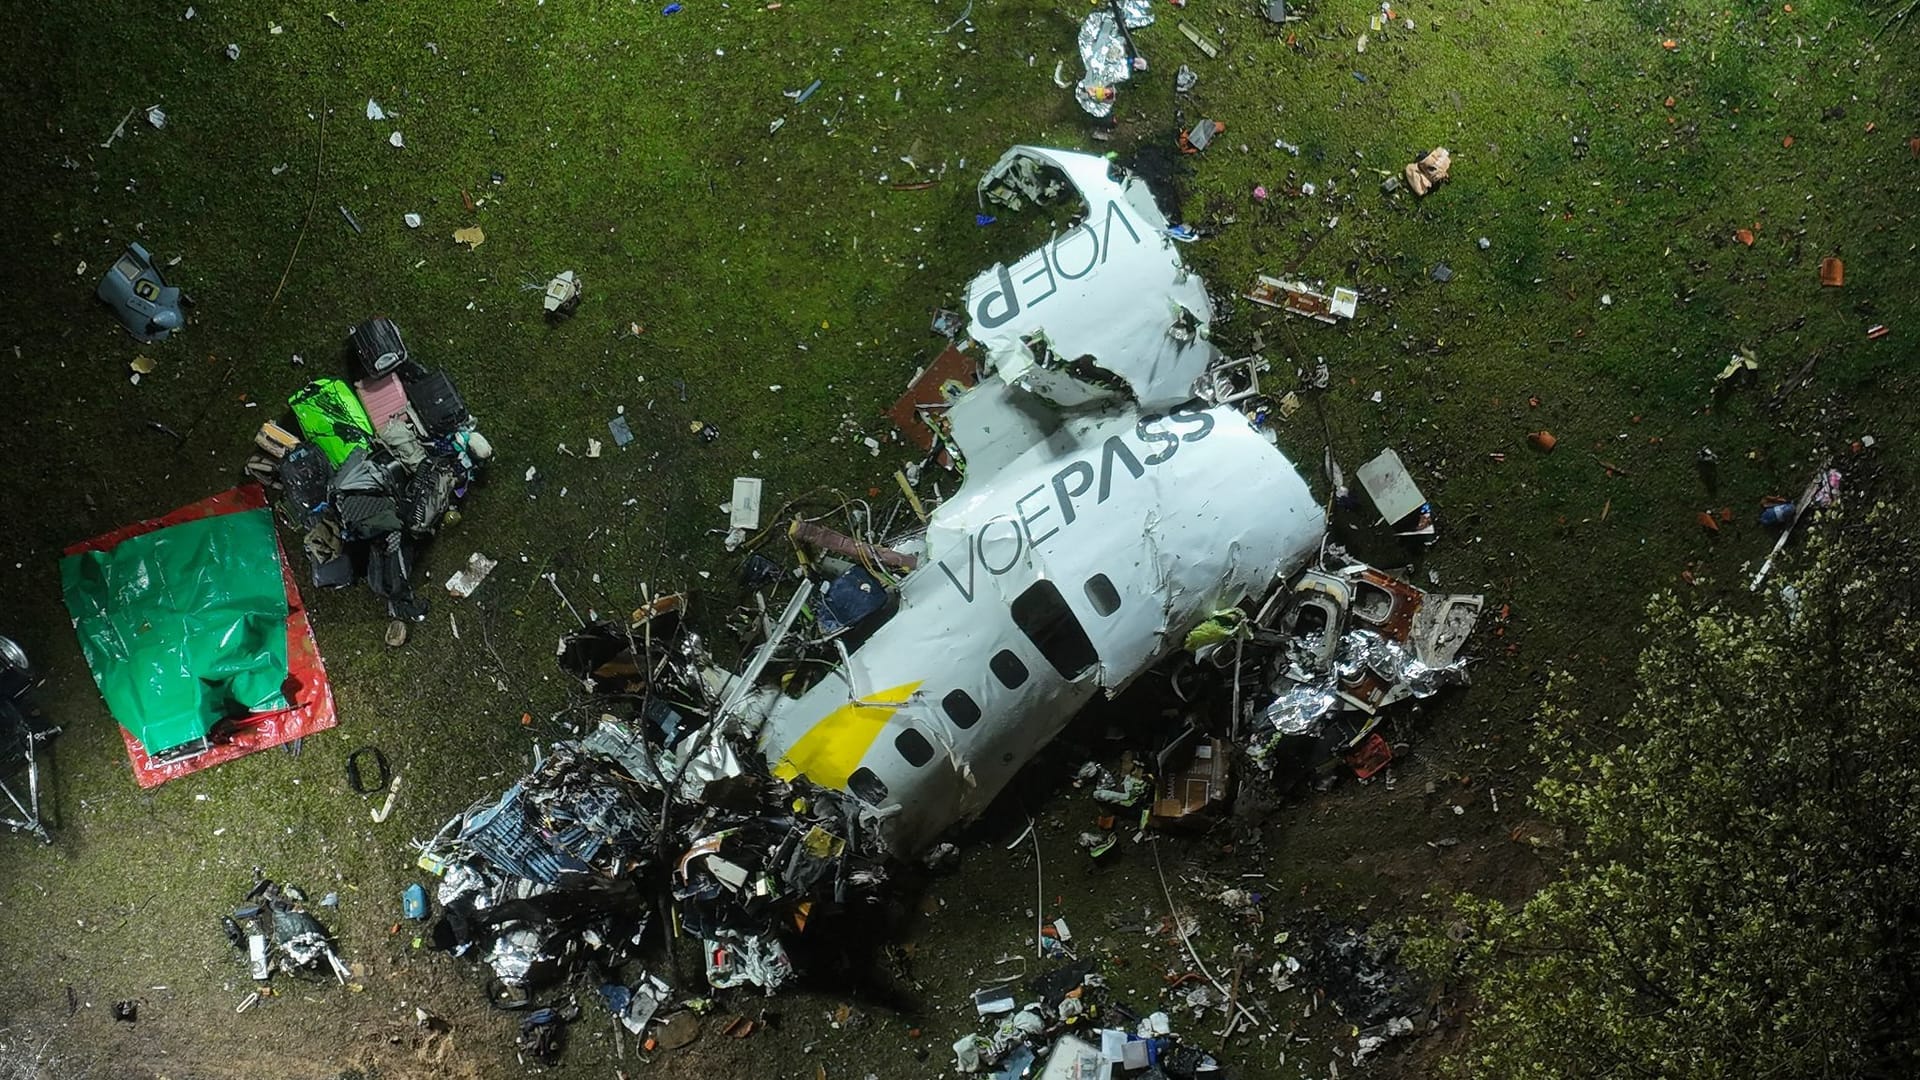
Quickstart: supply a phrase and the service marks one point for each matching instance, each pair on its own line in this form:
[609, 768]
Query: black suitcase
[437, 403]
[377, 348]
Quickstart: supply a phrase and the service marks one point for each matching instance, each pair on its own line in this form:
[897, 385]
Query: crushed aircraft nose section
[1102, 312]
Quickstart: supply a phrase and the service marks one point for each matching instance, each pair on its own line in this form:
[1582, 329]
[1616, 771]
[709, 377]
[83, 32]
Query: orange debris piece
[1833, 272]
[1745, 236]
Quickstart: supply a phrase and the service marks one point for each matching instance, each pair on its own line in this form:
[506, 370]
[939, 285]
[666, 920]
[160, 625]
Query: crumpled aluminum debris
[1302, 708]
[1104, 51]
[1394, 662]
[762, 961]
[517, 955]
[1137, 13]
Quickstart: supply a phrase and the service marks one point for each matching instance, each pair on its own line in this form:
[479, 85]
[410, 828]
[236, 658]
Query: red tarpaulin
[306, 687]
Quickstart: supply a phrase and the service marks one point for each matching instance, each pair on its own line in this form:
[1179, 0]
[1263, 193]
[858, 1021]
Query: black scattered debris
[277, 933]
[566, 865]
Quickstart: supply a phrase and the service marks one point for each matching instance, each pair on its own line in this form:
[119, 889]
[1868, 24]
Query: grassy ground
[634, 148]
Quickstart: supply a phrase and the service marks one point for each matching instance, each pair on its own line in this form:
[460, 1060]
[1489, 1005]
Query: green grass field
[635, 148]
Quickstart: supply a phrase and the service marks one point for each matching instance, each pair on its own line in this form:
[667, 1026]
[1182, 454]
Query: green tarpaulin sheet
[184, 626]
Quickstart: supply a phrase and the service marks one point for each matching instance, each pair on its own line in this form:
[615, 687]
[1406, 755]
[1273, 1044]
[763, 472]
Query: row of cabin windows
[1042, 614]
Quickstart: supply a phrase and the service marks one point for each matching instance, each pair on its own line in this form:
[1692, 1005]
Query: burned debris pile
[275, 931]
[651, 814]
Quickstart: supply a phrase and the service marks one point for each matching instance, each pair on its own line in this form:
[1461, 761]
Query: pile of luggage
[380, 464]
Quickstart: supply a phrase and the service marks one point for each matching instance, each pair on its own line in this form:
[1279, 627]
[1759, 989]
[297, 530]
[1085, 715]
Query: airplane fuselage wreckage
[1117, 501]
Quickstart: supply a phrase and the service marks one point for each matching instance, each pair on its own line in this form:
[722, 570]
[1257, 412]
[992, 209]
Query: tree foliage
[1740, 896]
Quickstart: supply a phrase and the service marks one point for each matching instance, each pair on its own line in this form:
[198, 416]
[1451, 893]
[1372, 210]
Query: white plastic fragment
[396, 141]
[744, 510]
[374, 111]
[469, 577]
[412, 220]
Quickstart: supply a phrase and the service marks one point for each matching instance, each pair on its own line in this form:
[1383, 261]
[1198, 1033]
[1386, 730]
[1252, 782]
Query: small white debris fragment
[275, 28]
[469, 577]
[593, 448]
[1376, 397]
[412, 220]
[190, 13]
[280, 168]
[81, 269]
[233, 52]
[744, 511]
[156, 116]
[396, 141]
[374, 111]
[1606, 299]
[531, 469]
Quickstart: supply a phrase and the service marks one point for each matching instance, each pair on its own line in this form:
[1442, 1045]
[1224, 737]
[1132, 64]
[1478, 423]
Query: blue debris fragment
[148, 307]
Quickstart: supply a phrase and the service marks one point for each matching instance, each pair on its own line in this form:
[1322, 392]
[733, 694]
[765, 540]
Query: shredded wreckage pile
[912, 673]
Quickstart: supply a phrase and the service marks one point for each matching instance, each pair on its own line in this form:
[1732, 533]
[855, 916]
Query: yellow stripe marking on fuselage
[832, 749]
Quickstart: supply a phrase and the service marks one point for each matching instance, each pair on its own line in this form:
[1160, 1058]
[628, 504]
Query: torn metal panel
[1387, 482]
[1109, 294]
[920, 413]
[1298, 298]
[1201, 783]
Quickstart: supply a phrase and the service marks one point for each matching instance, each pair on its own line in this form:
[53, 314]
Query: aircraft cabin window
[914, 747]
[961, 709]
[1008, 669]
[1041, 613]
[867, 787]
[1102, 595]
